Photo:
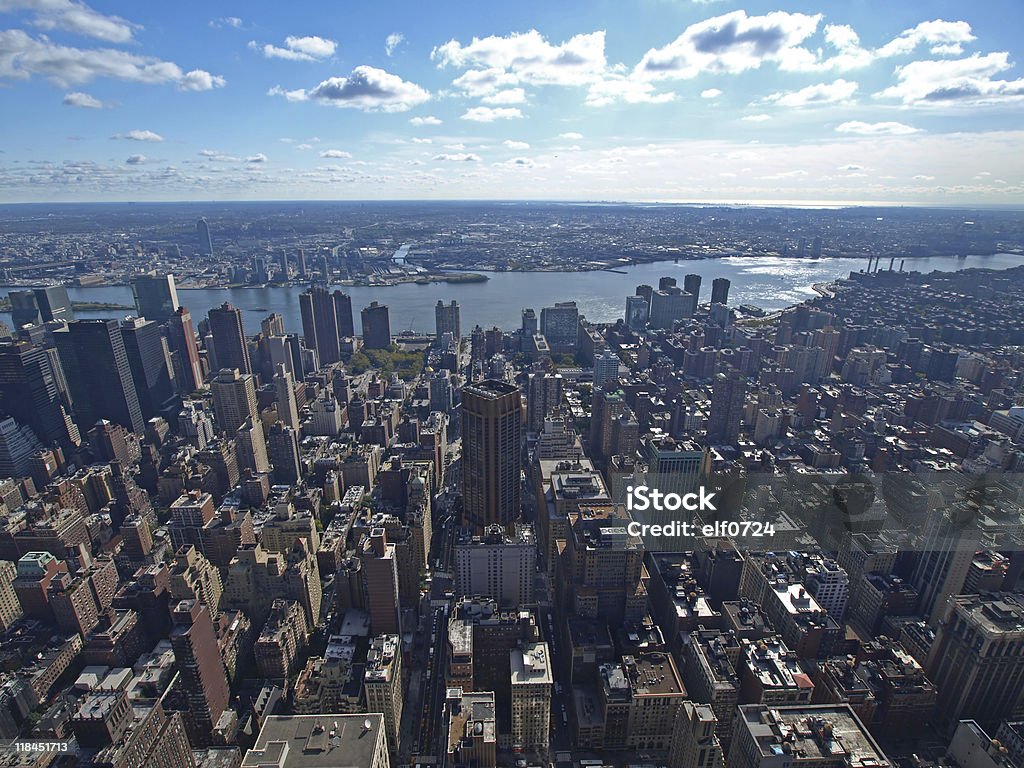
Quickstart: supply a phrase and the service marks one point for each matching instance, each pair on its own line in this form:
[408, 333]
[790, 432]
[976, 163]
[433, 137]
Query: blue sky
[855, 101]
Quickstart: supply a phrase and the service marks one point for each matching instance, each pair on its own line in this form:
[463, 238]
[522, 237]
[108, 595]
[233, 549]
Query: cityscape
[598, 386]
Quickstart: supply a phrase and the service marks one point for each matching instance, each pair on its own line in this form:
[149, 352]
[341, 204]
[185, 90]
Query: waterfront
[771, 283]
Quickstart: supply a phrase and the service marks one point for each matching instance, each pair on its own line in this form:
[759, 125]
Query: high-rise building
[18, 443]
[40, 305]
[532, 676]
[543, 395]
[691, 284]
[201, 672]
[305, 741]
[977, 659]
[728, 395]
[156, 297]
[382, 683]
[380, 582]
[251, 443]
[720, 290]
[376, 326]
[203, 233]
[188, 373]
[272, 325]
[560, 325]
[287, 411]
[150, 364]
[492, 426]
[447, 319]
[638, 310]
[606, 369]
[95, 362]
[497, 565]
[669, 305]
[320, 323]
[470, 728]
[283, 447]
[29, 393]
[229, 338]
[343, 312]
[234, 399]
[529, 322]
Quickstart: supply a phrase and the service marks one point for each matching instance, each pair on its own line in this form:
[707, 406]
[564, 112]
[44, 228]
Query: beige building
[320, 741]
[531, 696]
[382, 683]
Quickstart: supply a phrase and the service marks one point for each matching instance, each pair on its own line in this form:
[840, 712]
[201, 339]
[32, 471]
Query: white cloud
[490, 114]
[457, 147]
[756, 118]
[226, 21]
[616, 88]
[462, 157]
[22, 56]
[138, 135]
[136, 160]
[367, 88]
[518, 145]
[428, 120]
[392, 41]
[201, 80]
[948, 35]
[480, 82]
[733, 43]
[876, 129]
[955, 81]
[309, 48]
[821, 93]
[923, 177]
[418, 140]
[529, 58]
[710, 93]
[337, 153]
[519, 162]
[303, 147]
[259, 157]
[571, 135]
[508, 96]
[75, 17]
[78, 99]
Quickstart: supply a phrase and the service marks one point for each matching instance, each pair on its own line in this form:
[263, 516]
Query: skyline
[670, 101]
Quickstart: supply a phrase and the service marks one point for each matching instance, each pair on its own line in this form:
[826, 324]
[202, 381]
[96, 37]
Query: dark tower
[229, 338]
[492, 429]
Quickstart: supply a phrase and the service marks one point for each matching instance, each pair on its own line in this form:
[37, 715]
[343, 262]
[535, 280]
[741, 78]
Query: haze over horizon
[725, 102]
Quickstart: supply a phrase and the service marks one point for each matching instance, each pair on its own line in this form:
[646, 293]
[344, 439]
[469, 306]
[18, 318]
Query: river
[768, 282]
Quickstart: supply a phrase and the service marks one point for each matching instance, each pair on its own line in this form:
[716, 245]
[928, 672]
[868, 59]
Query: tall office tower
[638, 311]
[376, 326]
[287, 411]
[492, 426]
[691, 284]
[234, 399]
[529, 323]
[272, 325]
[720, 290]
[156, 297]
[229, 338]
[606, 369]
[543, 395]
[302, 264]
[608, 406]
[18, 443]
[320, 324]
[282, 265]
[150, 364]
[279, 353]
[188, 374]
[24, 309]
[251, 443]
[203, 233]
[283, 447]
[380, 582]
[670, 305]
[560, 325]
[977, 659]
[202, 677]
[95, 363]
[498, 565]
[949, 540]
[382, 682]
[447, 319]
[728, 395]
[10, 608]
[29, 393]
[532, 677]
[343, 312]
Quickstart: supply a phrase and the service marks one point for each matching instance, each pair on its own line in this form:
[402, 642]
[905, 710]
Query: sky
[854, 101]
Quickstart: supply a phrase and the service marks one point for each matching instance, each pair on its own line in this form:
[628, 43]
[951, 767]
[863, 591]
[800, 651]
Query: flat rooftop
[317, 741]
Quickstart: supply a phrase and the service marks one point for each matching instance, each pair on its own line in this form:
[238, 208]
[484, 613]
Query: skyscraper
[691, 284]
[29, 393]
[606, 369]
[150, 364]
[637, 311]
[343, 312]
[229, 338]
[543, 394]
[156, 297]
[234, 399]
[203, 678]
[287, 412]
[40, 305]
[203, 233]
[492, 436]
[560, 325]
[447, 319]
[720, 290]
[728, 394]
[320, 324]
[376, 326]
[188, 374]
[95, 362]
[283, 447]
